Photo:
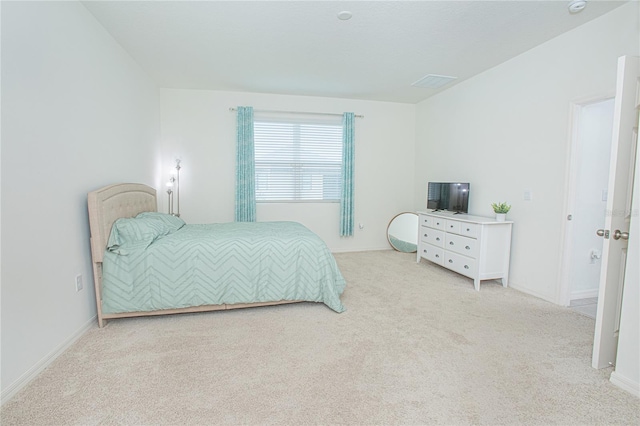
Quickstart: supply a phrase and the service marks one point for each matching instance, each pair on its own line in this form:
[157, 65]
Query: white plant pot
[501, 217]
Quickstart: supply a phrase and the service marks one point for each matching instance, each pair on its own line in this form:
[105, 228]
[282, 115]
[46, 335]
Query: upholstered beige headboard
[112, 202]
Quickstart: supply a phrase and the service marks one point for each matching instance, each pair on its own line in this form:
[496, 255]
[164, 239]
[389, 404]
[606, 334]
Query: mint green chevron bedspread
[155, 261]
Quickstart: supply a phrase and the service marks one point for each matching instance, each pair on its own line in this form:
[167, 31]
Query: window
[297, 158]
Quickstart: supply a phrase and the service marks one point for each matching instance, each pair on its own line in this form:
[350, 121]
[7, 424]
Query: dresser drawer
[461, 264]
[470, 229]
[431, 253]
[432, 236]
[463, 245]
[452, 226]
[432, 222]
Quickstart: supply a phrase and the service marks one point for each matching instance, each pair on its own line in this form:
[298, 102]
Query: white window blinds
[297, 157]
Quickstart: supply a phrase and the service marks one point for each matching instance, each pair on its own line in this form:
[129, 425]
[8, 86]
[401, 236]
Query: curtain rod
[297, 112]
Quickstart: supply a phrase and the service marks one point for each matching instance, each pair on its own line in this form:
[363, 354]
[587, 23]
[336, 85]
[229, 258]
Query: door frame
[563, 293]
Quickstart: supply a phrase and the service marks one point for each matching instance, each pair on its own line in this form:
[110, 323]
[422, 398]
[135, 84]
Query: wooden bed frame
[112, 202]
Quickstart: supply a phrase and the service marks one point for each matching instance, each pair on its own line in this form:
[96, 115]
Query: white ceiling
[302, 48]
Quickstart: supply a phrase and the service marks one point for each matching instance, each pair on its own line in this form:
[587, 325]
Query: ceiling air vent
[433, 81]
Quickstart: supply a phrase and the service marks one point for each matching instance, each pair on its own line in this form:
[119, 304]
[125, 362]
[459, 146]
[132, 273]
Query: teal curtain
[346, 194]
[245, 167]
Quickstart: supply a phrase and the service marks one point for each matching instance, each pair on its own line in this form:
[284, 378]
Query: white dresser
[474, 246]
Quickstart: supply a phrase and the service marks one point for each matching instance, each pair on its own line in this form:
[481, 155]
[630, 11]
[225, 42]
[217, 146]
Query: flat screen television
[449, 196]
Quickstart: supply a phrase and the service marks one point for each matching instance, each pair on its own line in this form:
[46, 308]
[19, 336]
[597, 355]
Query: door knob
[620, 235]
[602, 233]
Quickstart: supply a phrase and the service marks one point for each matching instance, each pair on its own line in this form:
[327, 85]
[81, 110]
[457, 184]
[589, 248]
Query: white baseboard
[626, 384]
[584, 294]
[28, 376]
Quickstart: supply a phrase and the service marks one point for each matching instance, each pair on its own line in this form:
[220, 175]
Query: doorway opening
[588, 179]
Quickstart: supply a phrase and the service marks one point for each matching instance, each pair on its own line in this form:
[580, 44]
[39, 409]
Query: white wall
[77, 114]
[506, 131]
[198, 127]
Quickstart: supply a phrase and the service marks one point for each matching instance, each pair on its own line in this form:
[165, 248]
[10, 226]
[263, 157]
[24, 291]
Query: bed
[150, 263]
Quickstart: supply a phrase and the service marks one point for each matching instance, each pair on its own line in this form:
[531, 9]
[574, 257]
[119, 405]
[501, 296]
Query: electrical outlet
[361, 226]
[528, 196]
[79, 285]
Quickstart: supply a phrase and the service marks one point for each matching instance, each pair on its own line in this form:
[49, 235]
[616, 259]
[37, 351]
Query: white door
[616, 227]
[627, 374]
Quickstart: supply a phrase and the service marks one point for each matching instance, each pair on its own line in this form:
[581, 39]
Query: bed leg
[97, 280]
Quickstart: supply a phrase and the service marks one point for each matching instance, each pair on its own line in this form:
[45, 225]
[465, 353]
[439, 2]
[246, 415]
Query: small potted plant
[501, 210]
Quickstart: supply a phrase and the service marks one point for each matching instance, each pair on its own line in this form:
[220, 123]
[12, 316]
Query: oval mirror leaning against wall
[402, 232]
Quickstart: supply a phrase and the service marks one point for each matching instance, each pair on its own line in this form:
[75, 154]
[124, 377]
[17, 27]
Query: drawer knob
[437, 255]
[450, 261]
[425, 250]
[468, 229]
[425, 235]
[437, 238]
[467, 247]
[466, 266]
[450, 243]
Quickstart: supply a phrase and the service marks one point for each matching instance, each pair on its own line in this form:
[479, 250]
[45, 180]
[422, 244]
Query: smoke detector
[576, 6]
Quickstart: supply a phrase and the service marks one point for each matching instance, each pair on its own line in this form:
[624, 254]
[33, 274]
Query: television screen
[450, 196]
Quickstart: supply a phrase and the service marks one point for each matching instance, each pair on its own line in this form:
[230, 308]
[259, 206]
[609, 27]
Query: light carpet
[417, 345]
